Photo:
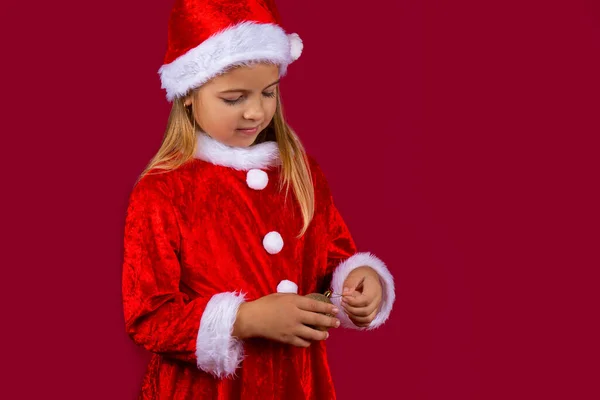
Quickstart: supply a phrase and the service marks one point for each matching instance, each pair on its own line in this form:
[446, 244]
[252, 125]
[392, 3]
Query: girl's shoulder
[315, 166]
[165, 183]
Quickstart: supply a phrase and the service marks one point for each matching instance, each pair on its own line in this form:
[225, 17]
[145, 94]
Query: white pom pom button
[273, 242]
[257, 179]
[286, 286]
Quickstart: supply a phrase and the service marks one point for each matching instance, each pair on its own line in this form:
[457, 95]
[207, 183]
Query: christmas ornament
[325, 298]
[287, 286]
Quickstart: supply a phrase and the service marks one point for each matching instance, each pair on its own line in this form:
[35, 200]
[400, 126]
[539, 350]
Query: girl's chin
[242, 141]
[237, 139]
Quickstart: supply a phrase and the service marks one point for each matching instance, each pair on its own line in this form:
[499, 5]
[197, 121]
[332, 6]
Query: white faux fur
[217, 351]
[296, 45]
[273, 242]
[286, 286]
[257, 179]
[237, 45]
[341, 273]
[261, 155]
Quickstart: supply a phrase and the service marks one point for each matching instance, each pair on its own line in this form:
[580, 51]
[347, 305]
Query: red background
[460, 139]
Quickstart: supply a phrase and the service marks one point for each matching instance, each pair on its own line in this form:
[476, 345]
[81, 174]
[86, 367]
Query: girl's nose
[255, 111]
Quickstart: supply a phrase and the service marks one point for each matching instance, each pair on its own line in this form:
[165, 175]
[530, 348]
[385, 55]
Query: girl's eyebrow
[246, 91]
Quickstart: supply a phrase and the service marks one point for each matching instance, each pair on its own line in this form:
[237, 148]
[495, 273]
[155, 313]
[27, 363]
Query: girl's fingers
[315, 306]
[307, 333]
[361, 311]
[299, 342]
[357, 300]
[361, 301]
[364, 310]
[314, 319]
[364, 321]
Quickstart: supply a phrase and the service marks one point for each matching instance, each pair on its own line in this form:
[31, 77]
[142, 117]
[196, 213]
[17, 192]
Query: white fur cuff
[217, 351]
[387, 281]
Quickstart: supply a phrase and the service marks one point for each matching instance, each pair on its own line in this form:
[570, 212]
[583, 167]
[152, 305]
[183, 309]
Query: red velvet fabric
[197, 231]
[193, 21]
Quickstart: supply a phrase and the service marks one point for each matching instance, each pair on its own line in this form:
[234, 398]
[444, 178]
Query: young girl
[232, 224]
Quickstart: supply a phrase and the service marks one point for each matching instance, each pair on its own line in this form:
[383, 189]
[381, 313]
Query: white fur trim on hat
[286, 286]
[273, 242]
[387, 281]
[257, 179]
[217, 351]
[238, 45]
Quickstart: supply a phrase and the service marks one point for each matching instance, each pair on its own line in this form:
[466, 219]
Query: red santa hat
[206, 37]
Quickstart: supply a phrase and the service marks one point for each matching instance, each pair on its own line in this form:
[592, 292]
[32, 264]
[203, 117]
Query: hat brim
[237, 45]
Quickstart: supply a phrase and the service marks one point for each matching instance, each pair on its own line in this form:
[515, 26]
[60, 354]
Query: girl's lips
[251, 131]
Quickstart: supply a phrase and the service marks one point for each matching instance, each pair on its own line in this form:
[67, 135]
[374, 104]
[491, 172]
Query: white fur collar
[261, 155]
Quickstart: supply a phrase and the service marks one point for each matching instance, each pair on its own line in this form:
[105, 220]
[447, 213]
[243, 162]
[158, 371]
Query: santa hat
[206, 37]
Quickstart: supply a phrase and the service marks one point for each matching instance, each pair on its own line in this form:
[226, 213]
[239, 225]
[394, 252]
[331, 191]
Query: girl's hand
[283, 317]
[362, 295]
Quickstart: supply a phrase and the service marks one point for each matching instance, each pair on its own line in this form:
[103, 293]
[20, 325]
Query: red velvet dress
[209, 235]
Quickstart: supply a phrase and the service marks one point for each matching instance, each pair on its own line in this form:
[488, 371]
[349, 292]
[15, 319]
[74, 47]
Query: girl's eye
[234, 101]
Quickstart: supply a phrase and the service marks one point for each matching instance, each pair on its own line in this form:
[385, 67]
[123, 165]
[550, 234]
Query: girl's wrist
[242, 327]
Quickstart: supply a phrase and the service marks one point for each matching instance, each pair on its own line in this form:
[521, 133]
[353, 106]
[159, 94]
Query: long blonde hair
[179, 146]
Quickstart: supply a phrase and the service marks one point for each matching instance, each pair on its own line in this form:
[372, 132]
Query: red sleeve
[343, 257]
[341, 244]
[158, 316]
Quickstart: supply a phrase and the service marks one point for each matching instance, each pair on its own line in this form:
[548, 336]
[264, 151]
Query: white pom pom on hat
[296, 46]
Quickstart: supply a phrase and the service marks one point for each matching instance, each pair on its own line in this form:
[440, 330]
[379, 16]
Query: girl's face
[235, 107]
